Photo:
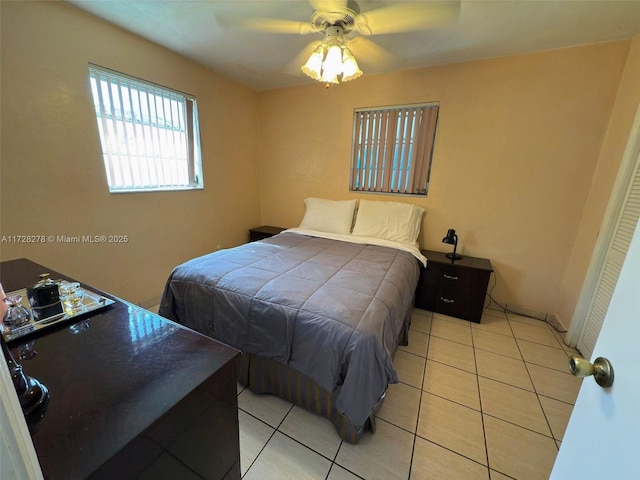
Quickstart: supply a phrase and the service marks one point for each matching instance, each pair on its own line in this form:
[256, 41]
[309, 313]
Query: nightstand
[265, 231]
[455, 288]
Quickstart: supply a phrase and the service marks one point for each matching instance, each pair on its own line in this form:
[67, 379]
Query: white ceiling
[208, 32]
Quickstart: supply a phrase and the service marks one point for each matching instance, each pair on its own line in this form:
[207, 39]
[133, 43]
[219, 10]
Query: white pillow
[331, 216]
[399, 222]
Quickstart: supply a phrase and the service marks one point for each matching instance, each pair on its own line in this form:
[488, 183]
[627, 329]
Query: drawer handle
[450, 277]
[447, 300]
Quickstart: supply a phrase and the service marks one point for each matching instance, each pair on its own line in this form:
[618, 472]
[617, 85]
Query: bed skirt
[266, 375]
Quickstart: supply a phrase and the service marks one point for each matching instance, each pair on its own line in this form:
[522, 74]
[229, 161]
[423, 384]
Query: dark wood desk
[132, 395]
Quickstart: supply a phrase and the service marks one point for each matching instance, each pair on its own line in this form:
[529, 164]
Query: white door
[620, 220]
[602, 440]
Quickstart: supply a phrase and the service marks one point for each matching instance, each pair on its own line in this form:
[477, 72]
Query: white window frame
[392, 148]
[148, 133]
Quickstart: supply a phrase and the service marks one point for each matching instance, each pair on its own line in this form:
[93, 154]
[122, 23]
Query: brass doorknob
[601, 369]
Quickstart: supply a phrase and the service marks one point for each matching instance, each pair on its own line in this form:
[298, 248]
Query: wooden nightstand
[265, 231]
[455, 288]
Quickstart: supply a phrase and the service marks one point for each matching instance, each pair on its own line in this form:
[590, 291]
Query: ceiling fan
[346, 27]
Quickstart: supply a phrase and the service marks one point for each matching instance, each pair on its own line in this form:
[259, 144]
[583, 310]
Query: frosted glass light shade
[349, 66]
[314, 65]
[332, 65]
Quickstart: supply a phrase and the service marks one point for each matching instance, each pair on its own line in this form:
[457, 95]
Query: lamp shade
[314, 65]
[350, 66]
[452, 239]
[332, 65]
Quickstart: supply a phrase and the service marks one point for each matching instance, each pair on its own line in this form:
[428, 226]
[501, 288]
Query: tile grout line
[535, 389]
[333, 462]
[270, 436]
[424, 373]
[484, 428]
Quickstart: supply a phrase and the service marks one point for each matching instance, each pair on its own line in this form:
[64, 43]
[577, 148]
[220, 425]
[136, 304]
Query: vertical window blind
[149, 134]
[392, 149]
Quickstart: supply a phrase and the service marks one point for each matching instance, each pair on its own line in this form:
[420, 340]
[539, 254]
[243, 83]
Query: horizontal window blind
[148, 133]
[392, 149]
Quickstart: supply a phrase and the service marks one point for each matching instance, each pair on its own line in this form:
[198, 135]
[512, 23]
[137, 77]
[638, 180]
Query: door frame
[17, 453]
[626, 172]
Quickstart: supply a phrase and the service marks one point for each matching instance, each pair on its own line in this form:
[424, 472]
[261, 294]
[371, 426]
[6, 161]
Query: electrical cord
[506, 310]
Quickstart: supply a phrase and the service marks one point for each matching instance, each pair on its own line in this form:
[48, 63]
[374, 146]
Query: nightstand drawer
[450, 301]
[455, 278]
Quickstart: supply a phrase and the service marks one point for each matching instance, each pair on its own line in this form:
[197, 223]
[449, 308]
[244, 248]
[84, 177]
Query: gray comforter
[332, 310]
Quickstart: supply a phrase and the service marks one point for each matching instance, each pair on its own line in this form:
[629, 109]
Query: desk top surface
[109, 375]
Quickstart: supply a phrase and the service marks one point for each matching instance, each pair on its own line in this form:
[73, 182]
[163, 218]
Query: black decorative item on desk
[452, 239]
[33, 395]
[44, 298]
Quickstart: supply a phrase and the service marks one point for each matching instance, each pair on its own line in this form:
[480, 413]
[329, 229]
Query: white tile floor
[475, 401]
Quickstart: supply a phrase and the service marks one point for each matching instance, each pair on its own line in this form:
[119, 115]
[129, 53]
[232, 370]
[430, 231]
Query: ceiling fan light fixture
[313, 67]
[350, 68]
[332, 62]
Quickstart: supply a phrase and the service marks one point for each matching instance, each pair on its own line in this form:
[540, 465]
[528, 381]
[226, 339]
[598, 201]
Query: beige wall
[518, 143]
[52, 177]
[615, 141]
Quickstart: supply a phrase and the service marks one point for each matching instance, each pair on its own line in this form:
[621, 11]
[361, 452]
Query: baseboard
[493, 308]
[525, 311]
[150, 302]
[551, 318]
[554, 321]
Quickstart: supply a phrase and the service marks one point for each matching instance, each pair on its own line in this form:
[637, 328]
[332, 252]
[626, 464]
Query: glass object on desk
[26, 351]
[71, 295]
[16, 315]
[78, 328]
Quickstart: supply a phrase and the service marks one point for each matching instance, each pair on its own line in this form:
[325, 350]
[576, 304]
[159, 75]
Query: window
[149, 134]
[392, 149]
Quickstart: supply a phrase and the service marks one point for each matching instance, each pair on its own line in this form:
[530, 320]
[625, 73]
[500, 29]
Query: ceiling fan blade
[328, 5]
[369, 52]
[275, 25]
[407, 16]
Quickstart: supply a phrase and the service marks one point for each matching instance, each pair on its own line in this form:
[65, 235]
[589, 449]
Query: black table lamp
[452, 239]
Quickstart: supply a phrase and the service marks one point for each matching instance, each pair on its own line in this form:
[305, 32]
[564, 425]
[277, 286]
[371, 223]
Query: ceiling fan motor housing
[334, 31]
[324, 19]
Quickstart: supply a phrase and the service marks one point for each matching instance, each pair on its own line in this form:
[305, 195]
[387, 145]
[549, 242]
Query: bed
[317, 312]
